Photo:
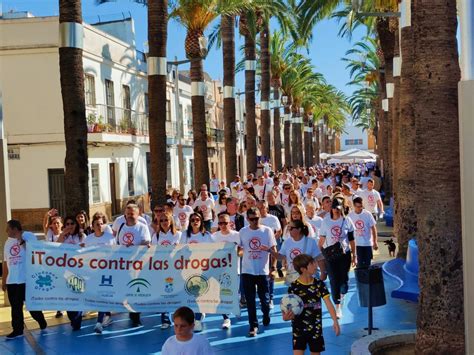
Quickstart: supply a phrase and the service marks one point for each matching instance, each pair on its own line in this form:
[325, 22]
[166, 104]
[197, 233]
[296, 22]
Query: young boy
[185, 342]
[307, 326]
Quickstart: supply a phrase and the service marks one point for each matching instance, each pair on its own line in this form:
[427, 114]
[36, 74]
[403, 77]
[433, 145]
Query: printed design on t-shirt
[255, 243]
[371, 199]
[128, 238]
[294, 253]
[193, 242]
[203, 208]
[166, 243]
[359, 224]
[182, 216]
[15, 250]
[336, 231]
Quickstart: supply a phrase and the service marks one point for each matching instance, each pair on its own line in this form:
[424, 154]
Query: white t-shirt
[197, 345]
[370, 199]
[271, 222]
[166, 239]
[14, 254]
[261, 191]
[104, 239]
[214, 185]
[336, 230]
[74, 239]
[205, 207]
[254, 260]
[291, 248]
[196, 238]
[232, 237]
[363, 222]
[134, 235]
[51, 237]
[121, 219]
[235, 188]
[316, 223]
[182, 214]
[314, 199]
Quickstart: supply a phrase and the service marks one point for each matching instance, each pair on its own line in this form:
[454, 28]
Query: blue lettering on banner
[106, 281]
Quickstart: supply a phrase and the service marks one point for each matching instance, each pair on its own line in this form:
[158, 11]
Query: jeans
[101, 315]
[338, 272]
[76, 319]
[261, 283]
[364, 256]
[271, 286]
[16, 296]
[134, 317]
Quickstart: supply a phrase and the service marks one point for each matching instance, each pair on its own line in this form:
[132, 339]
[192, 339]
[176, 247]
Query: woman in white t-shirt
[338, 229]
[52, 226]
[71, 233]
[221, 204]
[297, 214]
[312, 219]
[100, 236]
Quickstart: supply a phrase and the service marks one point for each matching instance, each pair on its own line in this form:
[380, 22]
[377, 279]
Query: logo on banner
[196, 285]
[76, 283]
[225, 281]
[169, 285]
[106, 281]
[138, 282]
[15, 250]
[44, 280]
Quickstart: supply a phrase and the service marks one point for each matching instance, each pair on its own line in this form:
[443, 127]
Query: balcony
[110, 119]
[215, 135]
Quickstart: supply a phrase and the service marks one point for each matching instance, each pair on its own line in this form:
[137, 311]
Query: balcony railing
[215, 135]
[111, 119]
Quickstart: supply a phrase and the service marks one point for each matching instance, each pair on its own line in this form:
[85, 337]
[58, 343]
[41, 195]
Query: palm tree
[157, 38]
[440, 323]
[265, 86]
[76, 175]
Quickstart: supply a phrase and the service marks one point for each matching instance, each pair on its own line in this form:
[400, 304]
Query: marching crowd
[296, 224]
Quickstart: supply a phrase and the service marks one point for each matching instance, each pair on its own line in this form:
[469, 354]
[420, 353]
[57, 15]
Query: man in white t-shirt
[14, 277]
[181, 212]
[236, 186]
[185, 342]
[256, 267]
[261, 188]
[122, 219]
[214, 185]
[372, 200]
[206, 207]
[365, 233]
[133, 233]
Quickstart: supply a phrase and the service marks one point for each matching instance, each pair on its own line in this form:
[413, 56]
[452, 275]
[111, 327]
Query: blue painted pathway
[274, 339]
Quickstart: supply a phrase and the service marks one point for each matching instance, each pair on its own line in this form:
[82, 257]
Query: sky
[325, 51]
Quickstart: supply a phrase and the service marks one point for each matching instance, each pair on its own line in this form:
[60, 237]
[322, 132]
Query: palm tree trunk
[440, 323]
[265, 86]
[276, 131]
[76, 175]
[201, 162]
[228, 54]
[316, 144]
[250, 123]
[307, 141]
[405, 219]
[294, 138]
[157, 38]
[299, 138]
[286, 132]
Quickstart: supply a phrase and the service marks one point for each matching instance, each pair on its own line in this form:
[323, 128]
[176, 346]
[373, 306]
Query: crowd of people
[302, 224]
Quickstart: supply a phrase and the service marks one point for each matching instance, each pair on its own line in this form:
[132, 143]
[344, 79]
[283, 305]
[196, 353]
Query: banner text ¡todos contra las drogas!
[136, 279]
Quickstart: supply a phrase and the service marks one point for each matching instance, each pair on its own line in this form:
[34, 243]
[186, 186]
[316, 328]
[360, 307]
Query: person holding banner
[132, 233]
[122, 219]
[185, 342]
[255, 267]
[100, 236]
[14, 277]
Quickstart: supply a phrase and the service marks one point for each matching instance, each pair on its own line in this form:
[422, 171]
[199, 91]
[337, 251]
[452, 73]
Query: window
[126, 104]
[110, 101]
[168, 110]
[95, 183]
[146, 104]
[131, 189]
[89, 88]
[354, 141]
[168, 170]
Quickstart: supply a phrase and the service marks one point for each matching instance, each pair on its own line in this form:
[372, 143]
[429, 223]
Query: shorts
[316, 345]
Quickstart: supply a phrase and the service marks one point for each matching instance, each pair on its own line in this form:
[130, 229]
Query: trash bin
[370, 286]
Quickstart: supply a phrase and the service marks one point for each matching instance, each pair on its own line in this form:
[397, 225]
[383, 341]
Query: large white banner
[139, 279]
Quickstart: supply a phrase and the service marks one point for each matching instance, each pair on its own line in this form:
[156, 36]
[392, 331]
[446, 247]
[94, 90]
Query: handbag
[336, 251]
[293, 275]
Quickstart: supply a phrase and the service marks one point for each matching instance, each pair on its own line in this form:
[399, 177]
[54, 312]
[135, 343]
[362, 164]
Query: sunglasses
[164, 220]
[195, 220]
[254, 219]
[223, 223]
[158, 210]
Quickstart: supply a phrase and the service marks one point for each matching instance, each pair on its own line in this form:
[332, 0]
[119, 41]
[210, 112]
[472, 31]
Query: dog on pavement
[391, 247]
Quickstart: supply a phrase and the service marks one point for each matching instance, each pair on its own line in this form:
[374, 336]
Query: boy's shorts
[316, 345]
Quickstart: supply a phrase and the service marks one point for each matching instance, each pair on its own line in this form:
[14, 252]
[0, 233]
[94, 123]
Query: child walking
[307, 326]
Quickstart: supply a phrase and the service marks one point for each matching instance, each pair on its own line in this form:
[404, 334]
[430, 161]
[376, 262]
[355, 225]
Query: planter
[90, 128]
[393, 342]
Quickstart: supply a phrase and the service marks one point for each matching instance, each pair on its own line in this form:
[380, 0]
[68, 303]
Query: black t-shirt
[278, 211]
[309, 322]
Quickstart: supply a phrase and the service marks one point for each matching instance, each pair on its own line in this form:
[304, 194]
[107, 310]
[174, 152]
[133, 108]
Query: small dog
[391, 247]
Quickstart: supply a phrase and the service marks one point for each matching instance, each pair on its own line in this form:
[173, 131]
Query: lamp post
[179, 122]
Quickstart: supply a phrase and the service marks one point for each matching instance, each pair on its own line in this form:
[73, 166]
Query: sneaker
[14, 335]
[98, 328]
[271, 305]
[197, 326]
[338, 311]
[253, 332]
[266, 320]
[136, 324]
[226, 324]
[107, 321]
[43, 324]
[165, 325]
[59, 314]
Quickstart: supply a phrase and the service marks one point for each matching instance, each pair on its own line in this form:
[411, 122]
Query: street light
[179, 128]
